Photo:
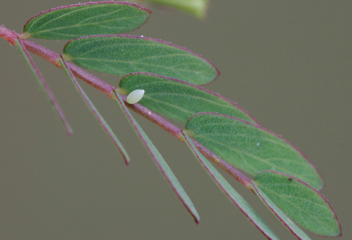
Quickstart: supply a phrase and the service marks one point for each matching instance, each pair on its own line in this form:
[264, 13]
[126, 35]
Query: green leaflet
[301, 203]
[121, 54]
[178, 100]
[68, 22]
[250, 148]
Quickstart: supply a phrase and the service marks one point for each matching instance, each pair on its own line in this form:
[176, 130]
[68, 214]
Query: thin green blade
[237, 199]
[177, 99]
[95, 111]
[121, 55]
[300, 202]
[250, 147]
[68, 22]
[159, 161]
[43, 85]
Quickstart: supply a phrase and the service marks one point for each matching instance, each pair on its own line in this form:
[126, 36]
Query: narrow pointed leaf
[177, 99]
[250, 147]
[291, 226]
[43, 85]
[68, 22]
[198, 8]
[244, 207]
[121, 55]
[159, 160]
[303, 204]
[95, 111]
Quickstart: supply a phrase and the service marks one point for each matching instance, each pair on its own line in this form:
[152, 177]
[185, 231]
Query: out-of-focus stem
[8, 35]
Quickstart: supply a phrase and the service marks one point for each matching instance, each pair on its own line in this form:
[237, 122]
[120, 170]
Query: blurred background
[286, 62]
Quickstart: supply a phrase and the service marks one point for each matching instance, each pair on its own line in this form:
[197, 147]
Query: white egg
[135, 96]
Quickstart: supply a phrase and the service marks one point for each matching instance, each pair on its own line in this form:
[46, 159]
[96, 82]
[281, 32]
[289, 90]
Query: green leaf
[197, 8]
[68, 22]
[121, 54]
[244, 207]
[250, 147]
[177, 99]
[294, 229]
[300, 202]
[159, 160]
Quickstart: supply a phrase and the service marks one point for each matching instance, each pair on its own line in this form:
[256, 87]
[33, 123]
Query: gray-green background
[288, 63]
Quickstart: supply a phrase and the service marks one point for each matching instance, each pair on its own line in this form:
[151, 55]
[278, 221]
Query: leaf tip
[127, 160]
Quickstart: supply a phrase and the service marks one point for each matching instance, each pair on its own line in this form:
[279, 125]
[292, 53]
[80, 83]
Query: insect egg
[135, 96]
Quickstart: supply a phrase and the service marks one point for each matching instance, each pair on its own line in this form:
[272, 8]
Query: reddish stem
[8, 35]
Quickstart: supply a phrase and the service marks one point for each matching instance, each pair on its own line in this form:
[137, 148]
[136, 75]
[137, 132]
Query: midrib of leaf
[101, 15]
[296, 207]
[171, 105]
[146, 42]
[54, 19]
[222, 105]
[79, 8]
[282, 143]
[132, 63]
[87, 24]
